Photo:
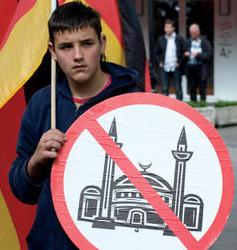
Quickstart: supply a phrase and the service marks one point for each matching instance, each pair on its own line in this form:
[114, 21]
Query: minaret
[104, 220]
[182, 156]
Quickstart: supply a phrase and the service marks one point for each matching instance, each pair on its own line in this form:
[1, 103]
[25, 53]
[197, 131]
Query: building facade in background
[218, 22]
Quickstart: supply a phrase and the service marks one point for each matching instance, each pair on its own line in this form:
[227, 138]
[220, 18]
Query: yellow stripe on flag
[114, 51]
[24, 49]
[8, 236]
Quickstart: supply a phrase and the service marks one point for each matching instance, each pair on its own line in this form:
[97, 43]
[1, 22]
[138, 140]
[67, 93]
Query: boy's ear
[103, 42]
[52, 51]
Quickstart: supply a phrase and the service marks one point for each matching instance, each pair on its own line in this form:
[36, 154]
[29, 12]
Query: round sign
[140, 170]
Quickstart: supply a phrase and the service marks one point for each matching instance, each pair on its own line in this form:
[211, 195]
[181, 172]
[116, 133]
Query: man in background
[199, 54]
[169, 53]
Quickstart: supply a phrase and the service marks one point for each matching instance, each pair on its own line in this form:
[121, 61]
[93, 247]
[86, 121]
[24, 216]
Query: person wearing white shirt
[169, 53]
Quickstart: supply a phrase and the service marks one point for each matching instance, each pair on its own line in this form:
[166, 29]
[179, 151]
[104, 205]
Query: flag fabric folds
[15, 218]
[23, 46]
[7, 10]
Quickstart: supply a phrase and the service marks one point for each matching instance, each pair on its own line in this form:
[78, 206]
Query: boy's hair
[72, 16]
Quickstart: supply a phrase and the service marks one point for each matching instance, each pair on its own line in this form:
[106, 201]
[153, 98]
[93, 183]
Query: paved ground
[228, 239]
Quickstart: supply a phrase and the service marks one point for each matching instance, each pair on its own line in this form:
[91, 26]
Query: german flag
[23, 46]
[23, 42]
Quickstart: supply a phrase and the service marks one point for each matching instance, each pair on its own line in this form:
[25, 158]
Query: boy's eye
[65, 46]
[88, 43]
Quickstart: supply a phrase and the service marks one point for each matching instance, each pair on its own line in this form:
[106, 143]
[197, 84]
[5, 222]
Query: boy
[78, 46]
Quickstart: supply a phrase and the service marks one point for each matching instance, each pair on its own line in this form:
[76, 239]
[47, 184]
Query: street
[228, 238]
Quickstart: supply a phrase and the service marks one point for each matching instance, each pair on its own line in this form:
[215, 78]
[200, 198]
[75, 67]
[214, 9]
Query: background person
[169, 53]
[199, 54]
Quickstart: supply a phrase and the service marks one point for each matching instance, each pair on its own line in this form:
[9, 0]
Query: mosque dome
[157, 182]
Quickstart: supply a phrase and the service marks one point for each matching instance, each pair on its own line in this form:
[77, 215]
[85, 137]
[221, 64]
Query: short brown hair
[72, 16]
[169, 21]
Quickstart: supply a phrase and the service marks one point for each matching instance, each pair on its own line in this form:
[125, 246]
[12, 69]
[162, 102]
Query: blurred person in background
[199, 54]
[169, 53]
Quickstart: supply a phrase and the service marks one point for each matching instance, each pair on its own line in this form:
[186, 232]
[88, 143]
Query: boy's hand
[47, 149]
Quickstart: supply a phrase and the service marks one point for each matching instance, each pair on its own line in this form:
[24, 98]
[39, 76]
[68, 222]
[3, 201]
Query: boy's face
[78, 54]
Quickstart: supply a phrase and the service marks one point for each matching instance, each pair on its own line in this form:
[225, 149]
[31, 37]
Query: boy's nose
[78, 54]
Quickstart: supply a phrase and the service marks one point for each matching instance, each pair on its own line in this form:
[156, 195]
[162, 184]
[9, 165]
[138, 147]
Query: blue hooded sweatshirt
[46, 232]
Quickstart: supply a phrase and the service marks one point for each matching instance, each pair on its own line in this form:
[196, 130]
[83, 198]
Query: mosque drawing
[119, 203]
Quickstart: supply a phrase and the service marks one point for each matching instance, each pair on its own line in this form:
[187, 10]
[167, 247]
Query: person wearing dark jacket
[76, 43]
[199, 54]
[169, 53]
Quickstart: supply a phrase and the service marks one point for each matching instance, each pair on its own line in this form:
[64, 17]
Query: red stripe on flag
[110, 14]
[10, 117]
[7, 10]
[21, 9]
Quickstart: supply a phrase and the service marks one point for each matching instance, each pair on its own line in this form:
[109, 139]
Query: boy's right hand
[47, 150]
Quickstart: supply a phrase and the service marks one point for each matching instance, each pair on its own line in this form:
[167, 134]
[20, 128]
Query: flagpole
[53, 80]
